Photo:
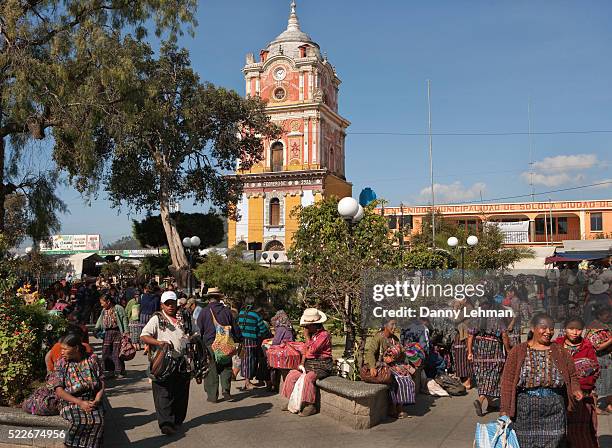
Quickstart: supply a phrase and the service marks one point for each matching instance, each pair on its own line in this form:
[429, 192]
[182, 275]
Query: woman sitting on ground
[538, 377]
[582, 421]
[316, 361]
[384, 349]
[78, 382]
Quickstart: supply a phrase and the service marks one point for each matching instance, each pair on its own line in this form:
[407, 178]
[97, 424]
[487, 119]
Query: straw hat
[598, 287]
[312, 316]
[214, 292]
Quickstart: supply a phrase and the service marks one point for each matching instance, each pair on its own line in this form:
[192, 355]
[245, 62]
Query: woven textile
[539, 370]
[488, 364]
[135, 330]
[248, 358]
[461, 366]
[81, 379]
[402, 389]
[582, 424]
[540, 421]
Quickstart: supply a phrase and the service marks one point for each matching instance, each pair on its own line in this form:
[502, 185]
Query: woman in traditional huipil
[538, 378]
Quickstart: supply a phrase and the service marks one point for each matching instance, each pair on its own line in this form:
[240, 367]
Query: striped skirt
[488, 365]
[461, 365]
[582, 424]
[402, 389]
[603, 386]
[135, 330]
[249, 356]
[86, 428]
[540, 421]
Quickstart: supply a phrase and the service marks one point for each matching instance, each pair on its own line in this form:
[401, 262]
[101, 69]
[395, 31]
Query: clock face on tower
[280, 73]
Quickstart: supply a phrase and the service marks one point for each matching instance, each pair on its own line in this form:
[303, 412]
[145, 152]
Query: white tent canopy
[537, 263]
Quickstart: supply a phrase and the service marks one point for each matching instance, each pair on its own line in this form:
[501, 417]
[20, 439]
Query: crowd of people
[552, 388]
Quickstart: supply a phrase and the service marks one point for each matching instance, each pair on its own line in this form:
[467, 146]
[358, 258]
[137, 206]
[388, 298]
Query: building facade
[306, 163]
[524, 223]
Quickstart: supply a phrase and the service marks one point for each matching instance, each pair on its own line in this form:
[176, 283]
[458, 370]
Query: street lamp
[352, 212]
[190, 245]
[453, 242]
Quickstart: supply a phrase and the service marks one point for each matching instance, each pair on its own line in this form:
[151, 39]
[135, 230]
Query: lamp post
[117, 258]
[352, 213]
[453, 242]
[190, 245]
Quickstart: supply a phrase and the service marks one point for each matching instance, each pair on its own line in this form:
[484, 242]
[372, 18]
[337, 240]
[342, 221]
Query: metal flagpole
[433, 202]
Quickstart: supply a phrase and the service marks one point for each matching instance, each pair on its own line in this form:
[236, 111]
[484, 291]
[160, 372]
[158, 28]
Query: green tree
[489, 253]
[180, 142]
[155, 265]
[124, 243]
[246, 280]
[207, 226]
[331, 258]
[66, 67]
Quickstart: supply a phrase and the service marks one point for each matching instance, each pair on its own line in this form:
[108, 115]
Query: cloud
[564, 164]
[454, 192]
[552, 180]
[560, 170]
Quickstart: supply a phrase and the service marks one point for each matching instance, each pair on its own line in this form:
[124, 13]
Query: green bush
[26, 332]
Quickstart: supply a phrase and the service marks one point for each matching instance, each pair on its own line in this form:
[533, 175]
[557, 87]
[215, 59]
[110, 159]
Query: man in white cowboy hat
[316, 363]
[218, 373]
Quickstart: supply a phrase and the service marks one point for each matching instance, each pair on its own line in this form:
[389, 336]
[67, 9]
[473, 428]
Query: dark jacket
[224, 317]
[512, 370]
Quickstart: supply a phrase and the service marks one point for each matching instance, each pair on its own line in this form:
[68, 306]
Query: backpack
[451, 385]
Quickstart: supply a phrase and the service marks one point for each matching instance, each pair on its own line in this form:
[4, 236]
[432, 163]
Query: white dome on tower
[289, 41]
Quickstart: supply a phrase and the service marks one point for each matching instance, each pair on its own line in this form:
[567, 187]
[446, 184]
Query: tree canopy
[331, 258]
[66, 68]
[180, 141]
[243, 280]
[207, 226]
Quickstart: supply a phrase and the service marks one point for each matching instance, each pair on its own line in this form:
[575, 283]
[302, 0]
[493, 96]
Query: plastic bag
[435, 389]
[497, 434]
[295, 400]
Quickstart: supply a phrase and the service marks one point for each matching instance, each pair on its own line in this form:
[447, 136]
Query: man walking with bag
[166, 331]
[213, 319]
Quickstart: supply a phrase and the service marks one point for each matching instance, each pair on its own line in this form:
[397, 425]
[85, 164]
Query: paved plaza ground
[255, 419]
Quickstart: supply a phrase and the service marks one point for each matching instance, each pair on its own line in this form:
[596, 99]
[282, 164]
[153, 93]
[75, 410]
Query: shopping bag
[497, 434]
[127, 351]
[223, 347]
[295, 400]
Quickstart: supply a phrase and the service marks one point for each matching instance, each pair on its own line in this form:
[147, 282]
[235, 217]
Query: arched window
[274, 212]
[276, 157]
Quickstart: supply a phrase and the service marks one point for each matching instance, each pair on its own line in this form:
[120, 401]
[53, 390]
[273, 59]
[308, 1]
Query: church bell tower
[306, 163]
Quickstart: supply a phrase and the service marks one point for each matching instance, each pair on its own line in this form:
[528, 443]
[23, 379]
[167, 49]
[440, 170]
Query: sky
[488, 64]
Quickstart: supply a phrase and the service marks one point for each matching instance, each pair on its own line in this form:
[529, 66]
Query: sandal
[478, 406]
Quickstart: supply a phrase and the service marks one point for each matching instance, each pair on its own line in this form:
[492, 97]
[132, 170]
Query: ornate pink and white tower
[306, 163]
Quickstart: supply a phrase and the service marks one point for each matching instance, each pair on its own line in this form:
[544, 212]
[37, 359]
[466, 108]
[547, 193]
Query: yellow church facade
[306, 163]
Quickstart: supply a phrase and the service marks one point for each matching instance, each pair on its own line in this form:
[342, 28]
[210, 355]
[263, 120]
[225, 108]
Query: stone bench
[17, 420]
[355, 403]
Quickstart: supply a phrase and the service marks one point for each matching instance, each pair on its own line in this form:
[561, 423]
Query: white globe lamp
[472, 240]
[359, 215]
[195, 241]
[452, 241]
[348, 207]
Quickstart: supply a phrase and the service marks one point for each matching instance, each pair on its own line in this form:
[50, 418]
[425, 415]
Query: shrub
[26, 331]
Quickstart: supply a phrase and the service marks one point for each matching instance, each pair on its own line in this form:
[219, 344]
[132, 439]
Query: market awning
[564, 257]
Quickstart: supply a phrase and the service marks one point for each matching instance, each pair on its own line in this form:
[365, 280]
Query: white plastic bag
[436, 390]
[295, 400]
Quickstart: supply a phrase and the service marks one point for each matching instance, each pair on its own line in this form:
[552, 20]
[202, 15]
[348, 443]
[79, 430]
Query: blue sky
[484, 59]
